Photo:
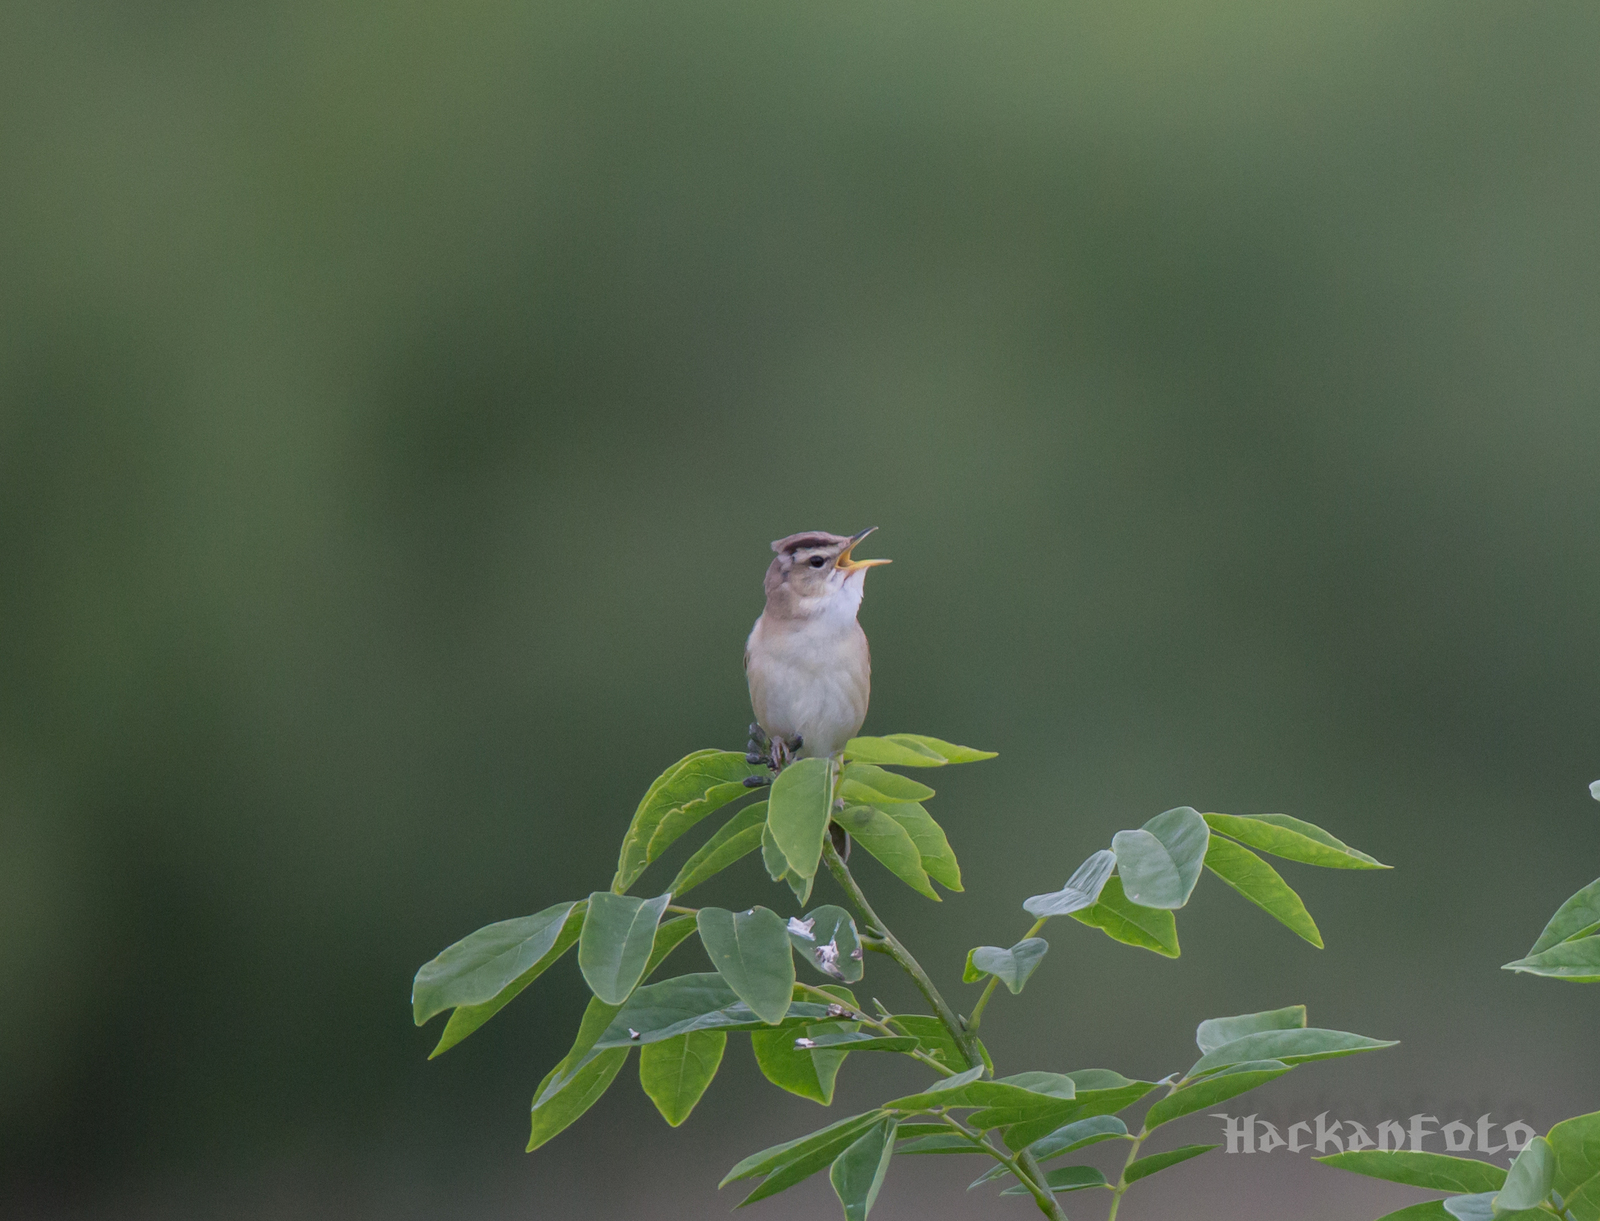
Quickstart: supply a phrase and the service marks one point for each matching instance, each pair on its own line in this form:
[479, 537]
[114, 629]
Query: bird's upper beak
[845, 564]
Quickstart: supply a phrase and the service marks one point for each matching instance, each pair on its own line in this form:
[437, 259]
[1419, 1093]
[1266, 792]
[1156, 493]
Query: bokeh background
[397, 401]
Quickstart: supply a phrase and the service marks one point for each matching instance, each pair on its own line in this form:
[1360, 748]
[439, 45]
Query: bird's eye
[817, 561]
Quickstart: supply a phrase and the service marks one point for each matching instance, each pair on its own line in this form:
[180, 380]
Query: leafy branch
[1554, 1175]
[801, 1032]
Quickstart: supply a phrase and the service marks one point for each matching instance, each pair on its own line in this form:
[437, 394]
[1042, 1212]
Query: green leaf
[1123, 920]
[810, 1074]
[554, 1113]
[1065, 1139]
[681, 796]
[751, 951]
[1219, 1087]
[857, 1173]
[1530, 1178]
[968, 1090]
[862, 1040]
[1146, 1166]
[799, 1160]
[1064, 1178]
[1011, 967]
[887, 840]
[797, 813]
[454, 977]
[1577, 962]
[1219, 1032]
[1260, 883]
[598, 1016]
[1428, 1210]
[1575, 918]
[777, 1156]
[1082, 889]
[1160, 862]
[938, 861]
[701, 1001]
[1099, 1092]
[1290, 1046]
[1046, 1098]
[480, 966]
[734, 840]
[945, 1142]
[1293, 840]
[1077, 1135]
[910, 1129]
[1435, 1171]
[911, 750]
[1482, 1208]
[1576, 1144]
[827, 939]
[937, 1041]
[675, 1072]
[618, 933]
[864, 784]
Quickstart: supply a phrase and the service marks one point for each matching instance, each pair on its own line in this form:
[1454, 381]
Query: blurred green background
[397, 401]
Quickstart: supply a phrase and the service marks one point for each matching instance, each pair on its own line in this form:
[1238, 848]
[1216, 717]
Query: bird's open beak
[845, 564]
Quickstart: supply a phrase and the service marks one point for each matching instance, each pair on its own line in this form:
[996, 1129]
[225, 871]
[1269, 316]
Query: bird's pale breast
[811, 679]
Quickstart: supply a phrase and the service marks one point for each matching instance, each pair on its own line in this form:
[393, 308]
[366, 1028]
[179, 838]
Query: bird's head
[814, 573]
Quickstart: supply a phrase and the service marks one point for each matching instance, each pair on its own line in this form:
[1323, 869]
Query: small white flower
[801, 928]
[633, 1034]
[804, 1044]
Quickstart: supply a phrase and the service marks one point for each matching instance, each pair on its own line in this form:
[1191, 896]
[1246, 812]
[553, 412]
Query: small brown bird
[806, 660]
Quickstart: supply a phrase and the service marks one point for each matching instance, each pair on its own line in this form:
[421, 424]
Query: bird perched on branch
[807, 661]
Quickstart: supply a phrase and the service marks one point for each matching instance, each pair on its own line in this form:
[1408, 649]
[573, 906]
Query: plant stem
[1023, 1166]
[963, 1037]
[994, 980]
[882, 1027]
[1122, 1183]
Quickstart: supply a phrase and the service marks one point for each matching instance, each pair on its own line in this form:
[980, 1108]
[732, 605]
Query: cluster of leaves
[1554, 1175]
[802, 1028]
[1031, 1118]
[1557, 1174]
[1569, 947]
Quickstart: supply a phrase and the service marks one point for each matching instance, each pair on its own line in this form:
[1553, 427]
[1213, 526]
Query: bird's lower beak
[846, 564]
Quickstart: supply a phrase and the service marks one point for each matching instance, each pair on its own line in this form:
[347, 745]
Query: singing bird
[807, 661]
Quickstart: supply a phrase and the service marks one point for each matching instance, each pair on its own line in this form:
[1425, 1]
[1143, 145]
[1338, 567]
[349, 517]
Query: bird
[807, 661]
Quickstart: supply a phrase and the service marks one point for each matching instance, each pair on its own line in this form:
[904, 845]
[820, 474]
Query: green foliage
[1121, 919]
[689, 790]
[618, 932]
[733, 841]
[1011, 967]
[797, 814]
[800, 1069]
[1435, 1171]
[827, 939]
[802, 1033]
[751, 951]
[481, 974]
[857, 1173]
[1553, 1175]
[1262, 885]
[1159, 863]
[674, 1073]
